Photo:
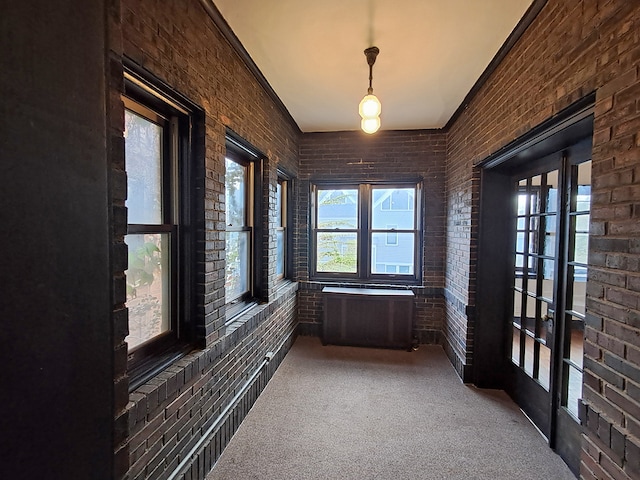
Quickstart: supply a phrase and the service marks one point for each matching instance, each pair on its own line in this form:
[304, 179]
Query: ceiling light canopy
[370, 106]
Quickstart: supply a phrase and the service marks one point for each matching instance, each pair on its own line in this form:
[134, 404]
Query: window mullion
[364, 234]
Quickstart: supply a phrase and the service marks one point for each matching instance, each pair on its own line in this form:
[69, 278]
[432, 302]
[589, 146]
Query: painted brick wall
[164, 419]
[385, 155]
[117, 196]
[570, 50]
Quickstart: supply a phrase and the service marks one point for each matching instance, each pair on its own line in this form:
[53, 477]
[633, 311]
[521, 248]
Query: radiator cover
[369, 317]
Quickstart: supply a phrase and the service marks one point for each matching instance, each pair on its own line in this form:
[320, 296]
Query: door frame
[491, 362]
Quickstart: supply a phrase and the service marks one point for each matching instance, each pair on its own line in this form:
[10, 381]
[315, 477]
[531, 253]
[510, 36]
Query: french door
[550, 232]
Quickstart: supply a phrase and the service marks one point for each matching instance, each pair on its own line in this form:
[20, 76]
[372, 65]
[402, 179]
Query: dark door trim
[566, 128]
[494, 268]
[570, 129]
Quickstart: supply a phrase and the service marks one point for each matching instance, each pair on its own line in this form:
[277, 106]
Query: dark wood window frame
[183, 121]
[286, 183]
[241, 152]
[365, 230]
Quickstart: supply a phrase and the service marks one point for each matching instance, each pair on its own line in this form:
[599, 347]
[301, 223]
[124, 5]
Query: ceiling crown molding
[235, 43]
[526, 20]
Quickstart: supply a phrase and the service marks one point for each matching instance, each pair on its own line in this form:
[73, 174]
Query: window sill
[240, 317]
[247, 318]
[153, 365]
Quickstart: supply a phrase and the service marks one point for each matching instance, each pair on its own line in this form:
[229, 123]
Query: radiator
[368, 317]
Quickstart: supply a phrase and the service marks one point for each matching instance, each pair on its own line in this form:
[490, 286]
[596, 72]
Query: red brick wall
[177, 43]
[385, 155]
[570, 50]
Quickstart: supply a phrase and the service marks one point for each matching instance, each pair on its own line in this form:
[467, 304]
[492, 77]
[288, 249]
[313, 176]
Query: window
[243, 206]
[283, 194]
[239, 231]
[157, 139]
[366, 231]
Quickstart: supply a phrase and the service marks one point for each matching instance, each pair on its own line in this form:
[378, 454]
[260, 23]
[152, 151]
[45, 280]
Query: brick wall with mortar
[177, 43]
[571, 49]
[387, 155]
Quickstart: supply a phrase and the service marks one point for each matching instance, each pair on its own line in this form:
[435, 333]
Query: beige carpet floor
[356, 413]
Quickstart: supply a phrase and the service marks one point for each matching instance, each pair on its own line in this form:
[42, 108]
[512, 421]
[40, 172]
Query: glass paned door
[579, 206]
[535, 275]
[550, 258]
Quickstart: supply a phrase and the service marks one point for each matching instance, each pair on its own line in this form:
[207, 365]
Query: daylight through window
[366, 231]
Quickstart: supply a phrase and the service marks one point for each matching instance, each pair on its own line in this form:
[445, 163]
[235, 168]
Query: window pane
[519, 261]
[544, 372]
[147, 287]
[143, 153]
[581, 248]
[279, 204]
[573, 377]
[336, 252]
[578, 298]
[528, 355]
[237, 266]
[576, 340]
[582, 223]
[520, 244]
[398, 255]
[338, 208]
[235, 197]
[552, 192]
[279, 252]
[517, 308]
[515, 346]
[393, 205]
[550, 236]
[583, 202]
[522, 204]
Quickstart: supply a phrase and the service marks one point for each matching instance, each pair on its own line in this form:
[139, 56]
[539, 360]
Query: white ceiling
[431, 54]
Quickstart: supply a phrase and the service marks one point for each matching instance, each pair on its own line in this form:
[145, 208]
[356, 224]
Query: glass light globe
[370, 106]
[370, 125]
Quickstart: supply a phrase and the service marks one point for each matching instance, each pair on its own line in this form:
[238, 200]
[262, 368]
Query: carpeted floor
[355, 413]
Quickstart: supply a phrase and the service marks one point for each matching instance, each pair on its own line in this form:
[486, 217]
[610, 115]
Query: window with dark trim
[366, 231]
[158, 130]
[283, 231]
[243, 237]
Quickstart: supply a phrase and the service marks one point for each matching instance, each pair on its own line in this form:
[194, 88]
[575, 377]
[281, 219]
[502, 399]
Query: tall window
[151, 223]
[281, 227]
[366, 231]
[157, 135]
[243, 209]
[239, 229]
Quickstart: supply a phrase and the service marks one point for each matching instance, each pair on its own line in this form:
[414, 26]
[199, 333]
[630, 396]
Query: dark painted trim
[524, 23]
[235, 43]
[573, 120]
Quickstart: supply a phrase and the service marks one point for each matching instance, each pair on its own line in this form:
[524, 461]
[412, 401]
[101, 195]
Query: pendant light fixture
[370, 106]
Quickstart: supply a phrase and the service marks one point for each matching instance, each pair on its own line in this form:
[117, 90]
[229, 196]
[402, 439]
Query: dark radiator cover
[368, 317]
